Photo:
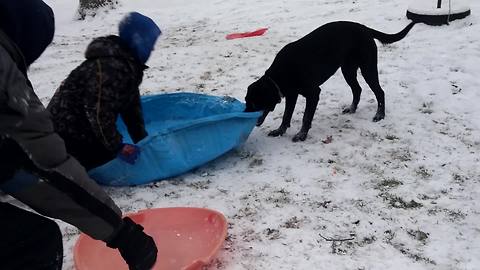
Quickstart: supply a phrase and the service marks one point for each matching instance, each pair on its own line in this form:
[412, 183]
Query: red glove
[129, 153]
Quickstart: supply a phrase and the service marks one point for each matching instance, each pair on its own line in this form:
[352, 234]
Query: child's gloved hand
[136, 247]
[129, 153]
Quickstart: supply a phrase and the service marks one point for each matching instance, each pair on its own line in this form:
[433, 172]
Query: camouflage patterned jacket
[86, 105]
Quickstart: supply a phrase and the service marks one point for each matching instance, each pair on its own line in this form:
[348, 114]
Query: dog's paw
[349, 110]
[276, 132]
[301, 136]
[378, 117]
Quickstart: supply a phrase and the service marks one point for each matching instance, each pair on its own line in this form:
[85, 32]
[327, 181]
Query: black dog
[302, 66]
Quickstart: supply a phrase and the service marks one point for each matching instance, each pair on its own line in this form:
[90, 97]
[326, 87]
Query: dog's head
[262, 95]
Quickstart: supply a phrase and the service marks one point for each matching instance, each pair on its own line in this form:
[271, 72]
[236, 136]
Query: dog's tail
[391, 38]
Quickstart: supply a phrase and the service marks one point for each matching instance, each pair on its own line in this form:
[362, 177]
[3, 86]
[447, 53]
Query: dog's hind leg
[349, 71]
[290, 102]
[370, 73]
[310, 108]
[371, 77]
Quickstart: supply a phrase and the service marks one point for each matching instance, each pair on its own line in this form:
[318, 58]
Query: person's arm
[100, 105]
[132, 116]
[54, 183]
[74, 197]
[67, 193]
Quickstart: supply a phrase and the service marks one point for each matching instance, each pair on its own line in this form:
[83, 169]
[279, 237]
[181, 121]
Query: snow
[405, 189]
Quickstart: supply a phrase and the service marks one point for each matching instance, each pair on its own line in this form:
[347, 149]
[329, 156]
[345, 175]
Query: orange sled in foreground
[186, 238]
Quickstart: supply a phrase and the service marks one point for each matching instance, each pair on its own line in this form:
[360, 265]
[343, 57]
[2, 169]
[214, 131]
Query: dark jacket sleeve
[132, 116]
[65, 191]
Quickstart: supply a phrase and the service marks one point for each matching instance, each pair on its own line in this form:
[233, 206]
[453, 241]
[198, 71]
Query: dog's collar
[276, 86]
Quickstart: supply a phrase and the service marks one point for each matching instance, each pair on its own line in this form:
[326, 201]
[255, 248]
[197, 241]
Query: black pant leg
[12, 158]
[28, 241]
[90, 155]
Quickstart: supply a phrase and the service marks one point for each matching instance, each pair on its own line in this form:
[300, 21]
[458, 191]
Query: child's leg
[89, 155]
[29, 241]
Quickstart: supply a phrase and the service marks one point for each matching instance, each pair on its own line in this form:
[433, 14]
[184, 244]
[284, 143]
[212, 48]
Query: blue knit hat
[140, 34]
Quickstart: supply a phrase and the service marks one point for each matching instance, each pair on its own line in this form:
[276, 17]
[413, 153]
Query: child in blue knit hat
[106, 85]
[140, 34]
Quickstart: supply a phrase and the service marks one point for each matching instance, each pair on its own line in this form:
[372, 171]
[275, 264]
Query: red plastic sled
[255, 33]
[186, 238]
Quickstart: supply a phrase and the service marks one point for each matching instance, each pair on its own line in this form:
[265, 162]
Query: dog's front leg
[310, 108]
[290, 102]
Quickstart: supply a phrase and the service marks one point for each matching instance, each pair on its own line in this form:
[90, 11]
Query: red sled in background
[255, 33]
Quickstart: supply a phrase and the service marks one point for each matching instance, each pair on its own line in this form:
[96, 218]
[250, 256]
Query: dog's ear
[271, 96]
[261, 96]
[249, 106]
[253, 97]
[249, 99]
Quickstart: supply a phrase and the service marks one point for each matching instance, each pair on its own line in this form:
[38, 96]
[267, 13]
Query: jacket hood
[140, 33]
[28, 23]
[109, 46]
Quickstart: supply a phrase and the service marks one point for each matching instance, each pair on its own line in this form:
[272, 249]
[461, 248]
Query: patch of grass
[402, 154]
[246, 212]
[391, 137]
[398, 202]
[372, 135]
[434, 211]
[318, 204]
[425, 197]
[455, 215]
[452, 215]
[200, 185]
[272, 234]
[423, 172]
[389, 235]
[250, 235]
[255, 163]
[292, 223]
[426, 108]
[388, 184]
[459, 179]
[418, 235]
[411, 255]
[280, 196]
[367, 241]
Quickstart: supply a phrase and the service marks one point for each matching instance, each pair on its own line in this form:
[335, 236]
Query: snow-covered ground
[405, 191]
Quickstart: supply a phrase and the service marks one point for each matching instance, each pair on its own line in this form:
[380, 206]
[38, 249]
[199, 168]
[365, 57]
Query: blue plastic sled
[185, 130]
